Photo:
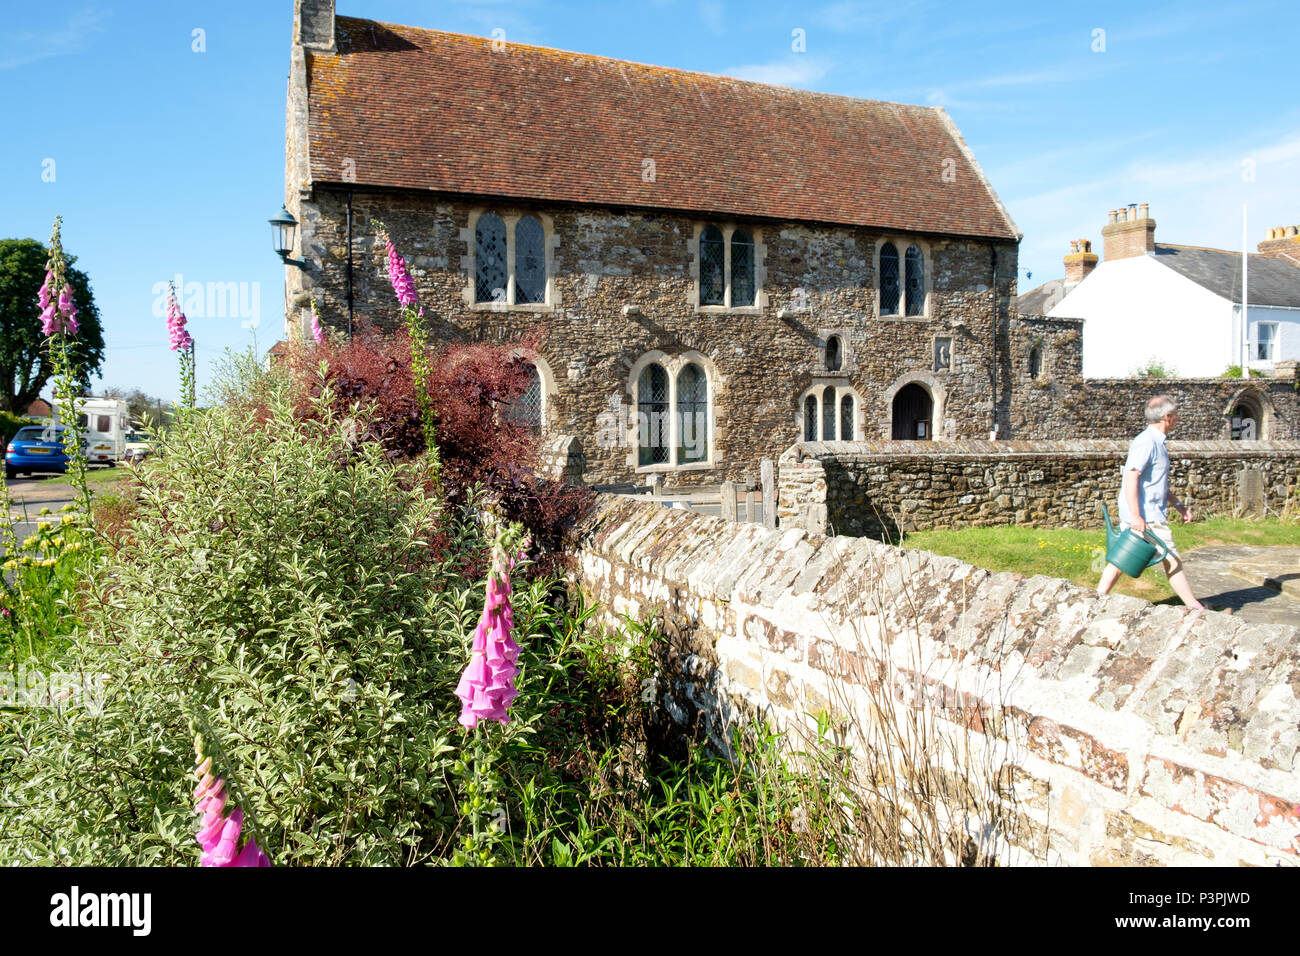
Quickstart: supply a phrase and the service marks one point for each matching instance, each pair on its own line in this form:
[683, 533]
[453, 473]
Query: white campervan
[104, 423]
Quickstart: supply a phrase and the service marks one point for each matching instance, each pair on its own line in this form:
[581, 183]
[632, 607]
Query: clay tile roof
[423, 109]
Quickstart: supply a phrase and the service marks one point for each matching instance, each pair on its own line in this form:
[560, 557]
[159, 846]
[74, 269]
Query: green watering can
[1129, 551]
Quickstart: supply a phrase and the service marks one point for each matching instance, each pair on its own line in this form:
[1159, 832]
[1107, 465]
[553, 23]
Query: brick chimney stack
[1079, 263]
[1283, 242]
[1130, 232]
[313, 24]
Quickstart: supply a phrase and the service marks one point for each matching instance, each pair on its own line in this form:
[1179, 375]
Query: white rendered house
[1178, 304]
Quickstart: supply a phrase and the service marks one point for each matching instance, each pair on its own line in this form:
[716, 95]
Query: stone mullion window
[902, 279]
[830, 413]
[719, 252]
[496, 243]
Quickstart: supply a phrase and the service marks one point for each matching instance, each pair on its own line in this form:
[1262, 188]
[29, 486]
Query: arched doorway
[1247, 420]
[913, 411]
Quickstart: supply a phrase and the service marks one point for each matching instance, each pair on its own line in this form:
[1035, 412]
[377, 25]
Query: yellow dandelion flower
[44, 525]
[10, 564]
[67, 520]
[57, 542]
[68, 507]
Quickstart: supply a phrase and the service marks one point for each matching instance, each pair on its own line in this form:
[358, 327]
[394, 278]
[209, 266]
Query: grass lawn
[1079, 556]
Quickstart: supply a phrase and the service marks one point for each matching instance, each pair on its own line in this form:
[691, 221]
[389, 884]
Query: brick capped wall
[604, 260]
[1128, 734]
[861, 488]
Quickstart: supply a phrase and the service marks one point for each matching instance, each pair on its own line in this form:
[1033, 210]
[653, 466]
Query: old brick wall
[876, 489]
[1132, 734]
[604, 260]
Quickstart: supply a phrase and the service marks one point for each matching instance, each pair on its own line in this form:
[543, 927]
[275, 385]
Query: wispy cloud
[72, 36]
[795, 70]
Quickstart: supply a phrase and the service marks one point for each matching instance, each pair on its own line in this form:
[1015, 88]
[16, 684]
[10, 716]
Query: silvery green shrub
[293, 594]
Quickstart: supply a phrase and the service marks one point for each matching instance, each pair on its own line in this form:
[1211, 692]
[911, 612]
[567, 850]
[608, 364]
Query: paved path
[1260, 584]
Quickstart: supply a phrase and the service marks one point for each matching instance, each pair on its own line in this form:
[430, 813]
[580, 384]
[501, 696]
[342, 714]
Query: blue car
[35, 448]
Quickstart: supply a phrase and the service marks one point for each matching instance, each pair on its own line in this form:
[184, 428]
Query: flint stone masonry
[1135, 734]
[877, 489]
[1060, 403]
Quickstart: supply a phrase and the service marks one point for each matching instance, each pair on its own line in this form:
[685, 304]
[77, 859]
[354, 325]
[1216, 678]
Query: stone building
[714, 269]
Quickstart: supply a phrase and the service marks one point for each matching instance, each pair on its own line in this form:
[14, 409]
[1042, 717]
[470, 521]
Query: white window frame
[510, 217]
[760, 272]
[1272, 341]
[672, 366]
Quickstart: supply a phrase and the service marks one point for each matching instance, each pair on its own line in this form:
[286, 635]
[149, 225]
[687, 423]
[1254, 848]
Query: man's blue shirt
[1148, 457]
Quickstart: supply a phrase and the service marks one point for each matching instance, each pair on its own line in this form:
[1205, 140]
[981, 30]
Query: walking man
[1144, 492]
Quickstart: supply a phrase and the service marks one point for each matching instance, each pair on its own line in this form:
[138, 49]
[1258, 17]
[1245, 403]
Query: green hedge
[10, 423]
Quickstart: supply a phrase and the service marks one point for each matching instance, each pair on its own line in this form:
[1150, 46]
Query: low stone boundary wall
[878, 489]
[1127, 733]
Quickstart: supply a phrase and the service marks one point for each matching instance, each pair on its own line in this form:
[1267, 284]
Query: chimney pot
[1132, 212]
[1293, 230]
[1144, 211]
[1114, 216]
[1074, 245]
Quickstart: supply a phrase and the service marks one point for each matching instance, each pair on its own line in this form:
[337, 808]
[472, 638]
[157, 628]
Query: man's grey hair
[1159, 407]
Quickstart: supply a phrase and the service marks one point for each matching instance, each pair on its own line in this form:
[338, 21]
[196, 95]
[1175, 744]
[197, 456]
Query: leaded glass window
[530, 261]
[810, 418]
[490, 259]
[846, 417]
[692, 415]
[527, 408]
[742, 268]
[828, 414]
[915, 282]
[652, 417]
[833, 357]
[713, 256]
[889, 291]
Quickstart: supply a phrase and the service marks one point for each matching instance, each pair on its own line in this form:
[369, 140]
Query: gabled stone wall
[879, 489]
[1123, 733]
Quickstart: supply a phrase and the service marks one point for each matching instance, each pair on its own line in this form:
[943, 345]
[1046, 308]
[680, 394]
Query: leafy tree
[24, 360]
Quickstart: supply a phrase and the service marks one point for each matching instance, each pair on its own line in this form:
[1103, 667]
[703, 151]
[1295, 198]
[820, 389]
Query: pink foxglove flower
[487, 687]
[218, 834]
[402, 282]
[60, 316]
[179, 338]
[317, 332]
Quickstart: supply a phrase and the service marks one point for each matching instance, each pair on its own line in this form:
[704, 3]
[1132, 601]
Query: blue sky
[167, 160]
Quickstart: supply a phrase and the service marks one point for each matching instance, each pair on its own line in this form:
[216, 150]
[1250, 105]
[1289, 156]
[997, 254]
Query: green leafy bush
[310, 618]
[1155, 368]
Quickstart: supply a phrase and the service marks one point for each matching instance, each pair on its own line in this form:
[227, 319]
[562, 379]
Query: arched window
[527, 408]
[490, 279]
[915, 295]
[889, 290]
[692, 415]
[652, 415]
[742, 268]
[833, 357]
[530, 261]
[1036, 361]
[713, 267]
[828, 413]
